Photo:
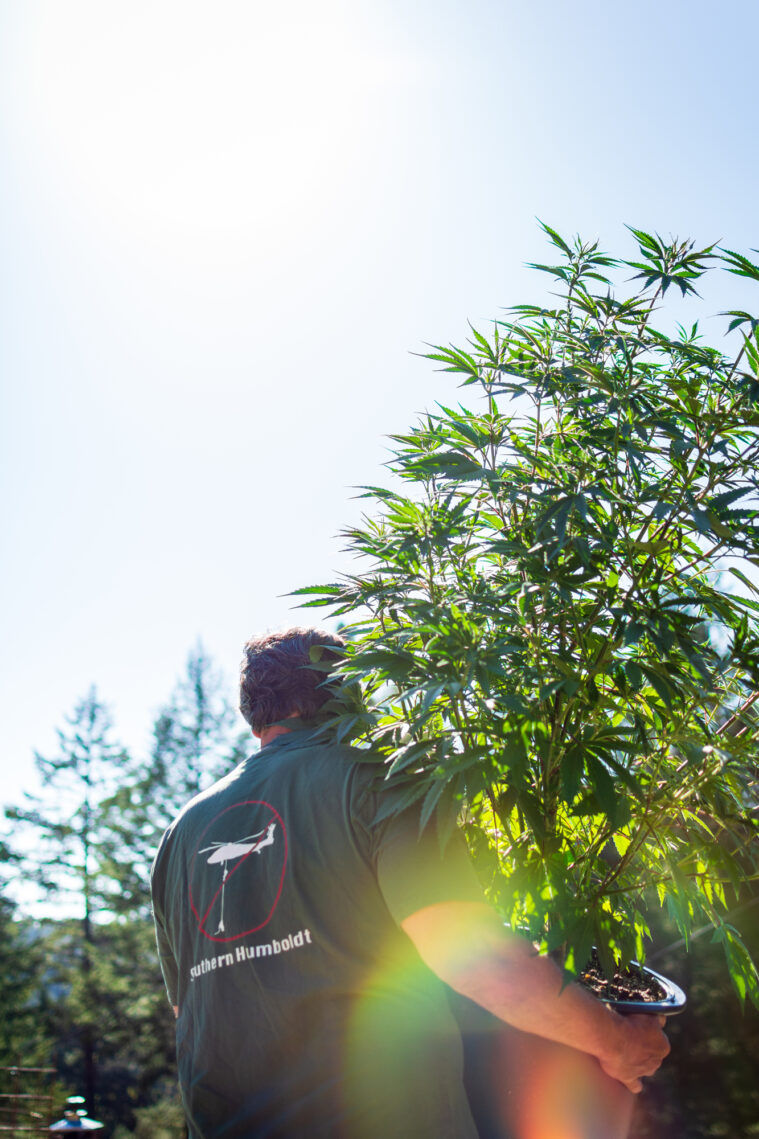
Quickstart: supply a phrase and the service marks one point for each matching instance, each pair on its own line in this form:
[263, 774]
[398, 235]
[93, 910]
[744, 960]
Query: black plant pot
[673, 1001]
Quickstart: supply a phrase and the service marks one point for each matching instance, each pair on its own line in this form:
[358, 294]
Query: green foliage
[545, 617]
[25, 1035]
[161, 1120]
[194, 741]
[708, 1085]
[119, 1004]
[85, 992]
[73, 846]
[66, 822]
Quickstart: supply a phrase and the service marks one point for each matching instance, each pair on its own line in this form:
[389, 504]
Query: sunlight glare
[249, 117]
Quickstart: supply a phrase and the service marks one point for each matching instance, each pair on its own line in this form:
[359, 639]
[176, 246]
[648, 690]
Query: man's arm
[467, 946]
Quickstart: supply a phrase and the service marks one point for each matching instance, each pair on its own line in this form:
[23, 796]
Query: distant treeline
[81, 988]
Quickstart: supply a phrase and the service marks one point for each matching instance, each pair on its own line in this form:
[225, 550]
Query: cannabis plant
[553, 613]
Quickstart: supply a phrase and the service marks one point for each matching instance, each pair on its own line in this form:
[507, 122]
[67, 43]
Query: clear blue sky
[224, 229]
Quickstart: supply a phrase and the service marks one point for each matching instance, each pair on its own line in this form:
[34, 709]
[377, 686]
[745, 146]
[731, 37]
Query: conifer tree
[24, 1029]
[195, 741]
[70, 857]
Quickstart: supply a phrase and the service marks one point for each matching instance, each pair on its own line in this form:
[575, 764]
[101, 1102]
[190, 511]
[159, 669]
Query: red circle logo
[238, 871]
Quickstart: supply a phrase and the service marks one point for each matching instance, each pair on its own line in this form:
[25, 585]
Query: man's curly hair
[279, 676]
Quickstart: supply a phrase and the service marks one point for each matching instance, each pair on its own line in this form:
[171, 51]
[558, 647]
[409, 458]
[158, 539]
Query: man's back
[303, 1009]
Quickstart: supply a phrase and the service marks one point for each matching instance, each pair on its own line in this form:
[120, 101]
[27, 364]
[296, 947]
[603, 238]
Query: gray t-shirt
[304, 1010]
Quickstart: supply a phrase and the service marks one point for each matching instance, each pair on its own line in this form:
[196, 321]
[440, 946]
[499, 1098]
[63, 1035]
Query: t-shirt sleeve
[167, 962]
[414, 873]
[166, 957]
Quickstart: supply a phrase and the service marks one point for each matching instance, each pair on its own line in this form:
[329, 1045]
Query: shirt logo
[247, 841]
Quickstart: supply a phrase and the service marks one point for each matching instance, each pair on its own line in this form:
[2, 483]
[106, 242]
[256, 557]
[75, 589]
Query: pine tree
[24, 1028]
[72, 855]
[194, 740]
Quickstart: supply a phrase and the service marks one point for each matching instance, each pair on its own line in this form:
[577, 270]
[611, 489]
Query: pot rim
[672, 1003]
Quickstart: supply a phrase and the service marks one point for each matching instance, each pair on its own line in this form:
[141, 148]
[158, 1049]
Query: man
[308, 940]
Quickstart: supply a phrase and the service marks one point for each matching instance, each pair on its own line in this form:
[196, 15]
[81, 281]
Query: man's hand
[640, 1048]
[466, 944]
